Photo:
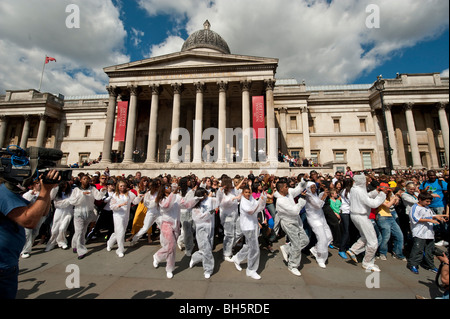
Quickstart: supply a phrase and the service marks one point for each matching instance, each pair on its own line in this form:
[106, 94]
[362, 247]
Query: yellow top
[384, 211]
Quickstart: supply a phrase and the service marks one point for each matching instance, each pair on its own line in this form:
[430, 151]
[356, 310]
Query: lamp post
[379, 86]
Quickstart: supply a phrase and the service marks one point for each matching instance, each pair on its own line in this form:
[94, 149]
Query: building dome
[206, 38]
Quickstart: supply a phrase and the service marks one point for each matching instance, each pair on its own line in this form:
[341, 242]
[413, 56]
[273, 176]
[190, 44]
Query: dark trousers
[345, 232]
[417, 256]
[9, 282]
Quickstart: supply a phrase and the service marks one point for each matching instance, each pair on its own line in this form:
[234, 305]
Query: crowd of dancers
[247, 214]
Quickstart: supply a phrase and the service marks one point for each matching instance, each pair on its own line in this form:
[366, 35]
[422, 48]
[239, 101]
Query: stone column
[3, 126]
[131, 125]
[445, 129]
[25, 132]
[412, 135]
[223, 86]
[379, 139]
[271, 135]
[198, 125]
[177, 89]
[246, 133]
[153, 124]
[305, 128]
[42, 130]
[391, 134]
[109, 127]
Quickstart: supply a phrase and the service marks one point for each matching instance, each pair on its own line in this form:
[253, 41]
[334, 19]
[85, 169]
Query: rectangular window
[295, 154]
[367, 160]
[84, 157]
[315, 157]
[362, 125]
[67, 131]
[337, 125]
[293, 122]
[442, 159]
[87, 130]
[339, 156]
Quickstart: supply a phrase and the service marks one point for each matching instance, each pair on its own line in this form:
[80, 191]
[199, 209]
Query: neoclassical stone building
[208, 92]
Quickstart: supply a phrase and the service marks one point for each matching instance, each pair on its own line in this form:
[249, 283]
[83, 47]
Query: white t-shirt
[421, 229]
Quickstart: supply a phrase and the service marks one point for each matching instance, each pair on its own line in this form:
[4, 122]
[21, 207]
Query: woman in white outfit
[31, 234]
[249, 208]
[203, 214]
[229, 197]
[120, 204]
[361, 204]
[316, 219]
[62, 217]
[170, 204]
[152, 211]
[187, 228]
[83, 199]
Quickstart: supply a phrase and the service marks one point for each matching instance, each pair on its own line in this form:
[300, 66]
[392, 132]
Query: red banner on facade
[258, 116]
[121, 124]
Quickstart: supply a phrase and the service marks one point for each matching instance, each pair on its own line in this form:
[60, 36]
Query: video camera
[19, 167]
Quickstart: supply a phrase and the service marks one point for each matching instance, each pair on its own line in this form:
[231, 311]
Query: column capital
[156, 89]
[223, 86]
[200, 87]
[2, 117]
[408, 106]
[113, 91]
[43, 117]
[269, 84]
[283, 109]
[441, 105]
[134, 90]
[388, 106]
[246, 85]
[26, 117]
[304, 109]
[177, 88]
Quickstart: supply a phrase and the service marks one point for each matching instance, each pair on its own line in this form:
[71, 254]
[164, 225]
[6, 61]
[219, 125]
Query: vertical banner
[121, 125]
[258, 116]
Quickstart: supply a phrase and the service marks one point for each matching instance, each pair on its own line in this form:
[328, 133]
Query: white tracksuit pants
[298, 240]
[81, 221]
[61, 221]
[232, 232]
[149, 220]
[120, 226]
[323, 235]
[30, 236]
[250, 250]
[187, 229]
[368, 241]
[205, 240]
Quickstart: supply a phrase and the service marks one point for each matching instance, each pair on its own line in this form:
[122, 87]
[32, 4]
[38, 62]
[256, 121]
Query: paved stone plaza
[103, 275]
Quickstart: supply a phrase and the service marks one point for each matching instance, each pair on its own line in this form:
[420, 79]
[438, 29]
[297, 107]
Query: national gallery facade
[195, 110]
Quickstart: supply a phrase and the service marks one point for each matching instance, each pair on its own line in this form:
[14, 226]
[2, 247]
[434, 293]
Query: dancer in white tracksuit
[83, 199]
[152, 211]
[170, 204]
[187, 228]
[229, 197]
[249, 208]
[203, 214]
[289, 215]
[360, 205]
[120, 204]
[31, 234]
[62, 217]
[316, 219]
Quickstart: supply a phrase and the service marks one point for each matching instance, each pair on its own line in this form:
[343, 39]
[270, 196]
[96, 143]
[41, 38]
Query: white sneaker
[322, 265]
[295, 271]
[253, 275]
[108, 248]
[188, 253]
[207, 276]
[169, 275]
[373, 268]
[64, 247]
[25, 255]
[313, 252]
[383, 257]
[120, 255]
[191, 263]
[236, 263]
[228, 258]
[155, 262]
[284, 252]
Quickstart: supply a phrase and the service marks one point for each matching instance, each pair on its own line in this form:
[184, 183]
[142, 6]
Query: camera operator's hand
[51, 181]
[30, 216]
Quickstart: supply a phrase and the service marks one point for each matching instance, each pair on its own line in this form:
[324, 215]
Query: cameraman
[16, 214]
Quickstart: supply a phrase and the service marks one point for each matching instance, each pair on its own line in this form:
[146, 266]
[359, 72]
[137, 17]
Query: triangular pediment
[190, 60]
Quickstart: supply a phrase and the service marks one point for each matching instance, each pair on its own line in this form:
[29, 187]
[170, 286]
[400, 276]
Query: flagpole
[42, 75]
